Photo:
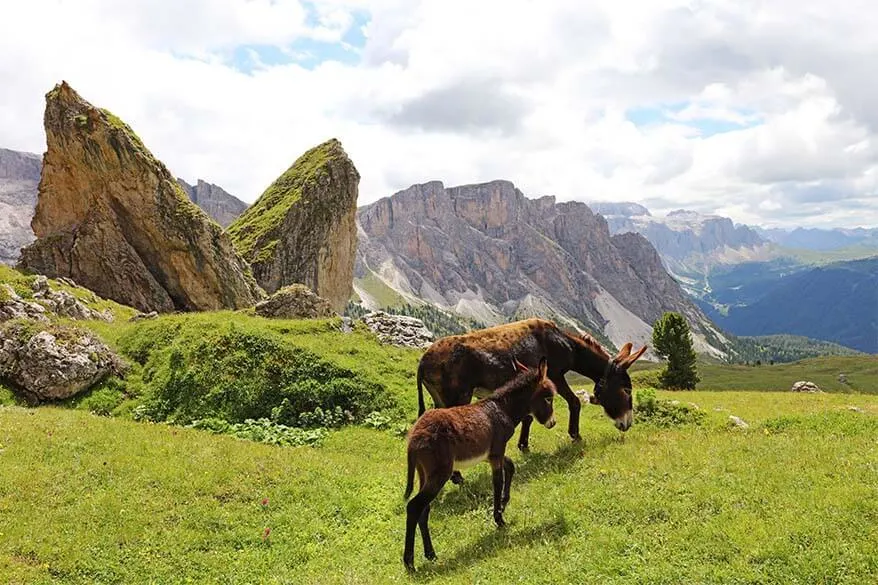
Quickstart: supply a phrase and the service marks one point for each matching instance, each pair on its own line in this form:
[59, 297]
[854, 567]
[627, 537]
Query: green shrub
[649, 409]
[262, 431]
[235, 373]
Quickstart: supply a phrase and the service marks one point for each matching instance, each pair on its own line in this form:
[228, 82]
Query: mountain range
[488, 253]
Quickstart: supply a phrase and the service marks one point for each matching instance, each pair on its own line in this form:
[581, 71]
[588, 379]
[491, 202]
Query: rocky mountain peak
[302, 229]
[110, 216]
[19, 177]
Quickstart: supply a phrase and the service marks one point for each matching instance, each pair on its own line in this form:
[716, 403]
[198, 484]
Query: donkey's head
[543, 395]
[613, 390]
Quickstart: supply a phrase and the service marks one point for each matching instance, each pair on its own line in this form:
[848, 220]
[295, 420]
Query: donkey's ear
[544, 367]
[623, 353]
[626, 363]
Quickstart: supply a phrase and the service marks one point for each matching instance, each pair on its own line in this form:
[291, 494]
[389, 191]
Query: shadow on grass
[477, 490]
[486, 546]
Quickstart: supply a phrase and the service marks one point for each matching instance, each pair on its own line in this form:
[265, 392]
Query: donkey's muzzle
[550, 423]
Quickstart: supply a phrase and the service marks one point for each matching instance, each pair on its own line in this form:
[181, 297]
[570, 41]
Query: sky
[762, 111]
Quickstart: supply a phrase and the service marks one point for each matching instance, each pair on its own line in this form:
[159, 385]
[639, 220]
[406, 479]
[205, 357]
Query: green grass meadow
[103, 489]
[792, 499]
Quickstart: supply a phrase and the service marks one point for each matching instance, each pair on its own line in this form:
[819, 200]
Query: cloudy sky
[764, 111]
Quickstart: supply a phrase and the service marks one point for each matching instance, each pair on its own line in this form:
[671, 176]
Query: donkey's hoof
[456, 478]
[523, 447]
[409, 564]
[430, 555]
[577, 438]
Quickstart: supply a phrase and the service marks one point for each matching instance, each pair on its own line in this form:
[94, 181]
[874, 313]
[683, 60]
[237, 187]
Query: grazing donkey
[446, 439]
[455, 366]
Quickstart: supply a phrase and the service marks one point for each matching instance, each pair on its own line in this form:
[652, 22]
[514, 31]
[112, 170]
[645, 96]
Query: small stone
[855, 409]
[144, 316]
[738, 422]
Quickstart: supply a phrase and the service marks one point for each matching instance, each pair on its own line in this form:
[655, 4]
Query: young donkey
[446, 439]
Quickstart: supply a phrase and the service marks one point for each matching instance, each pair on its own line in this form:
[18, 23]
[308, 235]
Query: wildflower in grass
[264, 502]
[266, 533]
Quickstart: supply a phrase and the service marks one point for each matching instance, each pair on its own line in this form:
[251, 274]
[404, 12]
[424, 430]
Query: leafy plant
[650, 409]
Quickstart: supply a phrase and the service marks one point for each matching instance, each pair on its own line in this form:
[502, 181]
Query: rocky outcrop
[19, 177]
[296, 301]
[398, 330]
[491, 254]
[222, 207]
[54, 363]
[303, 227]
[45, 302]
[805, 386]
[111, 216]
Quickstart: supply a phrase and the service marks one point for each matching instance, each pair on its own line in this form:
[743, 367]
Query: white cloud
[535, 92]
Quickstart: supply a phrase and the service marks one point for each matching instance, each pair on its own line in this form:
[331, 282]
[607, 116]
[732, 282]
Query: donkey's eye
[548, 400]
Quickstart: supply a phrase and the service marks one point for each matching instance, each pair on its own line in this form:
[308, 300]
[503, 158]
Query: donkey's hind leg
[418, 514]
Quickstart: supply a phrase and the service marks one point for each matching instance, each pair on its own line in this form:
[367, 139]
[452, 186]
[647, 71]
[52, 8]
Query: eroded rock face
[399, 330]
[54, 363]
[303, 227]
[296, 301]
[111, 217]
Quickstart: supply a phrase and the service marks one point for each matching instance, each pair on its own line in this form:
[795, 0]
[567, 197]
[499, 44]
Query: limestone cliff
[488, 252]
[216, 202]
[19, 177]
[302, 229]
[111, 217]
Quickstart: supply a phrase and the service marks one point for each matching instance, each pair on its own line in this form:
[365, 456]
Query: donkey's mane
[591, 343]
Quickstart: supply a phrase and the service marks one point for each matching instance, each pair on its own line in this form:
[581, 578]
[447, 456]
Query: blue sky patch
[651, 115]
[308, 53]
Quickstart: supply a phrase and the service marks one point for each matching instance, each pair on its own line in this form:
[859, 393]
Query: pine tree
[672, 341]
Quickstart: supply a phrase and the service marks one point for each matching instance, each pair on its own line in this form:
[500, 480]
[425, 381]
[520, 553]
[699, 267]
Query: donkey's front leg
[497, 465]
[573, 405]
[508, 472]
[525, 432]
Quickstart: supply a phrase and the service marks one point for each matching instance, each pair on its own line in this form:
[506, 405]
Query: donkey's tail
[421, 407]
[410, 476]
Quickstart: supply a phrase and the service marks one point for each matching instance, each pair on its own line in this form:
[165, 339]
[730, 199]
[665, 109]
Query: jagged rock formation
[303, 227]
[222, 207]
[111, 216]
[399, 330]
[19, 177]
[296, 301]
[54, 363]
[489, 253]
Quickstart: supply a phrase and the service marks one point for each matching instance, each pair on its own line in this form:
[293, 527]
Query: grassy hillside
[87, 499]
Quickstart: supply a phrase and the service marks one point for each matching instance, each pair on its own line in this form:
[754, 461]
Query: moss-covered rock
[303, 227]
[110, 216]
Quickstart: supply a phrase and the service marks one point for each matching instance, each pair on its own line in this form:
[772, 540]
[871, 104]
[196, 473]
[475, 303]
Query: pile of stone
[399, 330]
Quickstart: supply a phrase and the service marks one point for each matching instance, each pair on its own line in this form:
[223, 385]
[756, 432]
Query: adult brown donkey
[446, 439]
[455, 366]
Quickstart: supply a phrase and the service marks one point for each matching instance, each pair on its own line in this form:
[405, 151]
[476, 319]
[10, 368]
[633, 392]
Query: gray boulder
[54, 363]
[804, 386]
[295, 301]
[399, 330]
